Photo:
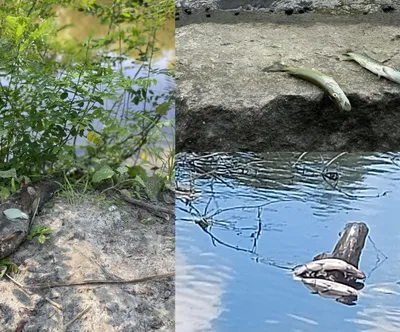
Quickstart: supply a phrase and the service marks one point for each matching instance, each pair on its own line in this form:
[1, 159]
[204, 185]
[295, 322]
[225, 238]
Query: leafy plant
[41, 232]
[6, 265]
[48, 102]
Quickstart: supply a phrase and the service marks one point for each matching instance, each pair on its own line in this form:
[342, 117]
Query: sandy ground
[95, 239]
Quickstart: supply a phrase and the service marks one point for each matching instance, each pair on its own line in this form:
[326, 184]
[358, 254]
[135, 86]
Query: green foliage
[46, 105]
[41, 232]
[6, 265]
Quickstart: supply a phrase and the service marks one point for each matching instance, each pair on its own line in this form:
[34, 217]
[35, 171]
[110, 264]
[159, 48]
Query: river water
[164, 58]
[267, 213]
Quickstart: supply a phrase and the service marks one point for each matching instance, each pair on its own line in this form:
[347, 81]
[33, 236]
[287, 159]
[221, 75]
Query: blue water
[220, 288]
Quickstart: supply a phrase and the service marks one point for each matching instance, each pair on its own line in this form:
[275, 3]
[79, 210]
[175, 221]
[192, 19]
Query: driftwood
[28, 199]
[348, 248]
[350, 245]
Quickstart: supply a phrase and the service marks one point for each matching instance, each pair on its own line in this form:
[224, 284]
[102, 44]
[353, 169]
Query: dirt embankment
[95, 239]
[226, 102]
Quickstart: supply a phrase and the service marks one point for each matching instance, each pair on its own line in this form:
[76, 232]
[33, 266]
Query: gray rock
[226, 102]
[332, 6]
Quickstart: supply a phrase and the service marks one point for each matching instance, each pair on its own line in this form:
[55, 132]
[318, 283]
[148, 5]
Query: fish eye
[335, 95]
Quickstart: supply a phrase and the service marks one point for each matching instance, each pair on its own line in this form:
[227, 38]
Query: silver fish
[329, 264]
[327, 288]
[375, 67]
[326, 83]
[392, 74]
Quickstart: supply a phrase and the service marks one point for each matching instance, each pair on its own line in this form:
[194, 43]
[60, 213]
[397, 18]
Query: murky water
[164, 58]
[229, 273]
[82, 26]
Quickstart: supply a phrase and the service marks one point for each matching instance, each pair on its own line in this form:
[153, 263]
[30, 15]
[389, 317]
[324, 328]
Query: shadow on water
[251, 218]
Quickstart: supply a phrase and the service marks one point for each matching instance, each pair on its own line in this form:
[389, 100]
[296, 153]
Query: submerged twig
[378, 262]
[333, 160]
[298, 159]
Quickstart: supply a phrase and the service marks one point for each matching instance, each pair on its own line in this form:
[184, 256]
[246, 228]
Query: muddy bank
[293, 6]
[95, 239]
[226, 102]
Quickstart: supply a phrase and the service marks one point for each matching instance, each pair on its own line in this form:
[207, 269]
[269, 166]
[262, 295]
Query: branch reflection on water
[236, 199]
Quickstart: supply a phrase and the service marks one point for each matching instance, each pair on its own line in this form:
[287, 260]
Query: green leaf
[154, 186]
[4, 193]
[134, 171]
[122, 170]
[11, 173]
[12, 214]
[163, 108]
[139, 179]
[3, 270]
[64, 95]
[42, 239]
[102, 174]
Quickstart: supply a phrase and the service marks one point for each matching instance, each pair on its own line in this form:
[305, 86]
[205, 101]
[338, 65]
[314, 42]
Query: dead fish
[327, 288]
[329, 264]
[392, 74]
[374, 66]
[324, 82]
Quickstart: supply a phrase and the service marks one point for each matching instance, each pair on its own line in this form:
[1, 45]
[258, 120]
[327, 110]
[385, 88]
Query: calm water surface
[235, 282]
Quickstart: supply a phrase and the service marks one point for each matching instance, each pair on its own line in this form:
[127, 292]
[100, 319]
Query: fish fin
[314, 292]
[326, 100]
[274, 68]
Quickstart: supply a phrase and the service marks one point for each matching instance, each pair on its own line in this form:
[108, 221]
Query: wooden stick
[147, 206]
[97, 282]
[59, 307]
[29, 293]
[76, 318]
[19, 285]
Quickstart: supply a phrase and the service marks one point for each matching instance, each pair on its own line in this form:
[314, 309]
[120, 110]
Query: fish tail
[348, 56]
[275, 68]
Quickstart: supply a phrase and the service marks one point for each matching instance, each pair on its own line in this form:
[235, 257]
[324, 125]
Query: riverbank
[98, 239]
[226, 102]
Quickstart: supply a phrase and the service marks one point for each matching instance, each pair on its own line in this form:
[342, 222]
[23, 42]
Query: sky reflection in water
[222, 289]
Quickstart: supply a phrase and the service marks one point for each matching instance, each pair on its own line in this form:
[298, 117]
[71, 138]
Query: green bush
[47, 102]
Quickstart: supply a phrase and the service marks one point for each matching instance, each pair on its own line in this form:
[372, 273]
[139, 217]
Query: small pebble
[301, 11]
[236, 13]
[208, 15]
[54, 294]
